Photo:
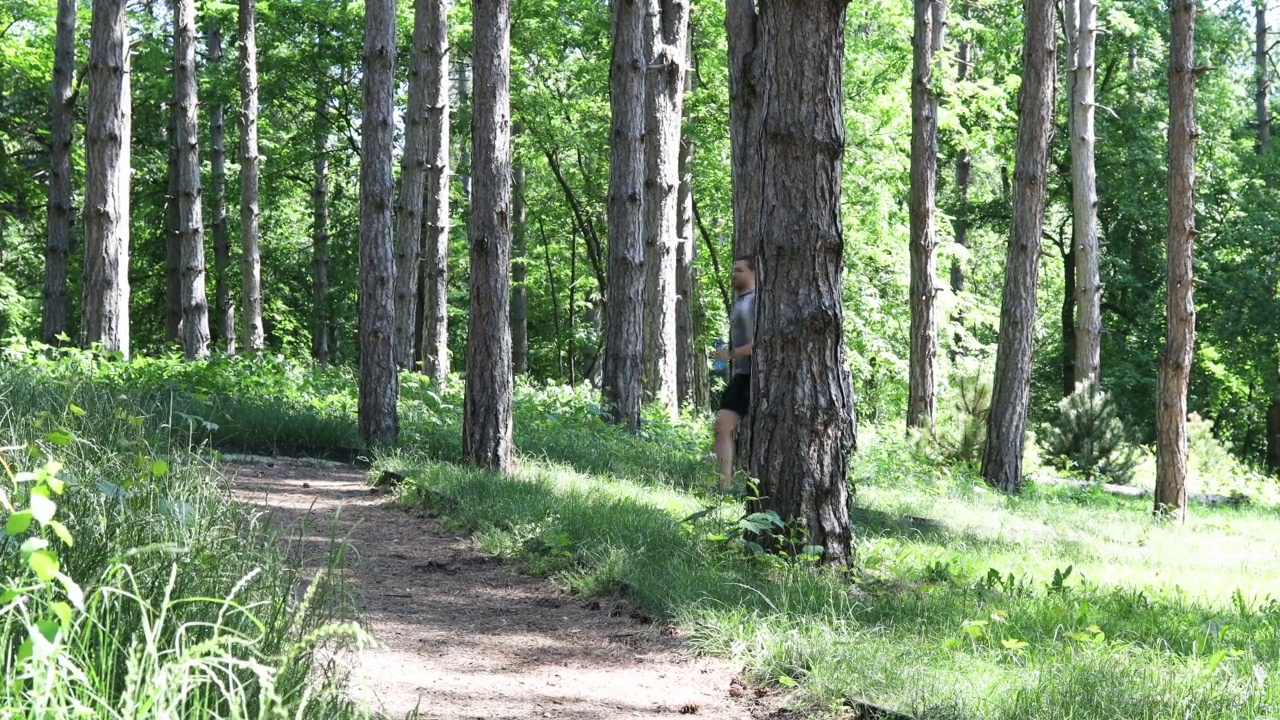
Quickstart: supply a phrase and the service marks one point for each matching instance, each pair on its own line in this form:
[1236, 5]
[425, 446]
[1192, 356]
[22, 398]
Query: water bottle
[719, 365]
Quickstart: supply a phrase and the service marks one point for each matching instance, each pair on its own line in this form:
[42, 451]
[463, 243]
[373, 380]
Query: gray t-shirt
[742, 329]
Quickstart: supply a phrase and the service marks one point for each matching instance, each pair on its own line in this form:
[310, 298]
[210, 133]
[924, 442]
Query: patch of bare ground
[459, 635]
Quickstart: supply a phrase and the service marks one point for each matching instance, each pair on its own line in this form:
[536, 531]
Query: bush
[1086, 436]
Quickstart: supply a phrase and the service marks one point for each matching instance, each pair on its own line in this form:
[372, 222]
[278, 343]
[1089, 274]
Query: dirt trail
[461, 636]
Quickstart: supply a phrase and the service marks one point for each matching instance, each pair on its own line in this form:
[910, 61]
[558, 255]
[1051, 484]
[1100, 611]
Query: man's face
[743, 276]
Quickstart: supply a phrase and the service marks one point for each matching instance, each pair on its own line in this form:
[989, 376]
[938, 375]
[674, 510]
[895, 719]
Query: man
[736, 400]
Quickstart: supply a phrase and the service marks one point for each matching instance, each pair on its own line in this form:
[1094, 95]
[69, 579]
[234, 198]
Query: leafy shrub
[1086, 436]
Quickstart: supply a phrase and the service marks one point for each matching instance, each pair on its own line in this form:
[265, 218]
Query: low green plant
[1087, 437]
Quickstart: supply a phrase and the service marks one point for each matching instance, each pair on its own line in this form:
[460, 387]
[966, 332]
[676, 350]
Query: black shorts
[737, 394]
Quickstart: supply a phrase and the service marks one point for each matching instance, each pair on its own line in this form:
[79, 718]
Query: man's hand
[722, 355]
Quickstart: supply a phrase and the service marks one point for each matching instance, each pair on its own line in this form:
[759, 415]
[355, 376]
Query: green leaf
[18, 523]
[44, 564]
[33, 544]
[42, 508]
[48, 629]
[63, 611]
[74, 593]
[1013, 644]
[787, 681]
[76, 410]
[160, 468]
[61, 438]
[62, 532]
[56, 485]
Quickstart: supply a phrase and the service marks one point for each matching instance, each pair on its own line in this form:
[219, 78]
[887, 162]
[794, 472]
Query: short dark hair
[750, 260]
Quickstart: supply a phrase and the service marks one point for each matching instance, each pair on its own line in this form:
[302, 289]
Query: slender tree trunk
[224, 309]
[195, 303]
[552, 292]
[624, 330]
[745, 123]
[1084, 187]
[1262, 95]
[434, 353]
[667, 25]
[487, 424]
[105, 299]
[61, 211]
[922, 394]
[1007, 418]
[251, 260]
[1068, 316]
[688, 366]
[320, 239]
[1175, 363]
[172, 237]
[379, 381]
[802, 426]
[413, 180]
[963, 170]
[519, 274]
[1273, 436]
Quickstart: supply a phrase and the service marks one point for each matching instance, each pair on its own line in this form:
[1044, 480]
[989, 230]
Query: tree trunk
[320, 240]
[519, 273]
[922, 394]
[745, 123]
[624, 330]
[486, 422]
[1262, 95]
[1082, 33]
[105, 299]
[802, 426]
[195, 304]
[667, 25]
[1175, 363]
[61, 212]
[963, 171]
[251, 261]
[1007, 418]
[172, 237]
[413, 180]
[688, 365]
[434, 353]
[1273, 436]
[224, 309]
[1067, 250]
[379, 380]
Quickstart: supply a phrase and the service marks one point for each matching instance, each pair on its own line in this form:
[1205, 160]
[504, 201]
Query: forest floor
[459, 635]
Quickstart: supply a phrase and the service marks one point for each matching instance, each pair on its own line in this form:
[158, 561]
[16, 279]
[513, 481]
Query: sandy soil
[461, 636]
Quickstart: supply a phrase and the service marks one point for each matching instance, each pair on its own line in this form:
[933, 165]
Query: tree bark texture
[320, 239]
[434, 353]
[1273, 436]
[413, 180]
[172, 237]
[688, 365]
[224, 308]
[623, 374]
[746, 96]
[1082, 35]
[964, 168]
[1007, 418]
[105, 300]
[1175, 363]
[922, 393]
[487, 424]
[519, 273]
[1067, 317]
[801, 424]
[379, 379]
[666, 26]
[251, 259]
[195, 303]
[61, 211]
[1262, 94]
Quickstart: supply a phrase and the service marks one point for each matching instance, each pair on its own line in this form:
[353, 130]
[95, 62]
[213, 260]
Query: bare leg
[726, 428]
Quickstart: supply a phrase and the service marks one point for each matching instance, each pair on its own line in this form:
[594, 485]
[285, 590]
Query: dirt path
[461, 636]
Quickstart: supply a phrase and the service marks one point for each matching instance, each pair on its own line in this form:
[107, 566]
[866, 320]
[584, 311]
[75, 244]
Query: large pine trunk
[105, 290]
[623, 373]
[61, 211]
[1007, 418]
[667, 25]
[224, 309]
[922, 391]
[250, 259]
[1180, 308]
[1082, 32]
[745, 123]
[434, 351]
[802, 426]
[195, 304]
[519, 274]
[320, 238]
[413, 180]
[172, 237]
[486, 422]
[379, 379]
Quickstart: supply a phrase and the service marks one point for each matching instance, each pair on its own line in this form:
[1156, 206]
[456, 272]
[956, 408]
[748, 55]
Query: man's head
[744, 273]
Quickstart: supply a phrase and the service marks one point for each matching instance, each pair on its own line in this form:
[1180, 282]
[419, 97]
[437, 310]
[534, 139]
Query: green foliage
[1087, 436]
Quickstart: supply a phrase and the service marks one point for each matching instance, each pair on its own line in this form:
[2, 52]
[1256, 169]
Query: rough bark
[434, 353]
[1007, 418]
[1273, 436]
[1082, 33]
[688, 364]
[922, 363]
[172, 237]
[1067, 316]
[666, 26]
[1262, 93]
[224, 309]
[1175, 363]
[61, 211]
[250, 259]
[746, 96]
[486, 422]
[105, 300]
[320, 240]
[195, 303]
[802, 426]
[964, 168]
[519, 273]
[379, 379]
[413, 180]
[623, 370]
